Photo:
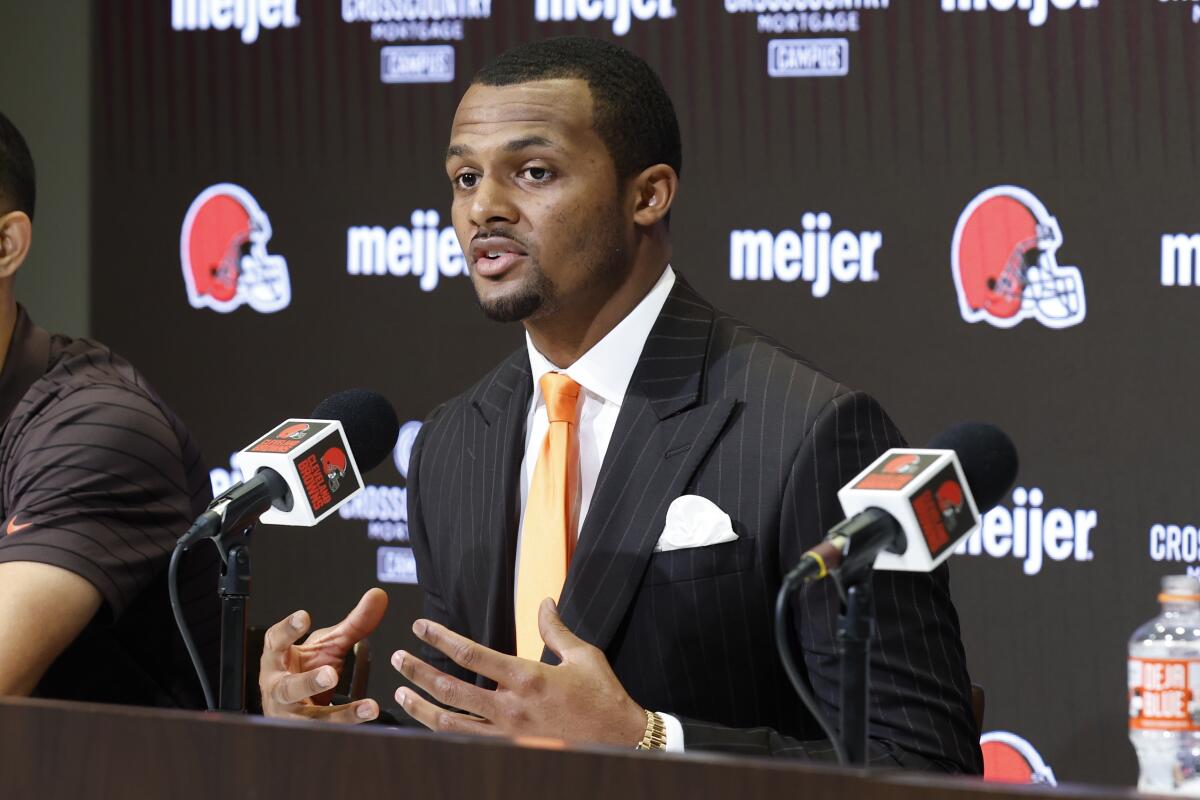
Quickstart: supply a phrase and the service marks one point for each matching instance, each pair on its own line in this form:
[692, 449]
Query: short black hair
[632, 111]
[18, 183]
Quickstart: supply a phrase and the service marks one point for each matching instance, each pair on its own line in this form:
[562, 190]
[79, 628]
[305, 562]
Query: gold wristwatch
[655, 737]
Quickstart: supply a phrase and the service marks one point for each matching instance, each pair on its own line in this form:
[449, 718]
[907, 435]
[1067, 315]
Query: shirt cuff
[674, 731]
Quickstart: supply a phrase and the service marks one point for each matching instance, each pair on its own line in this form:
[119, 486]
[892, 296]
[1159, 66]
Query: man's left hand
[579, 700]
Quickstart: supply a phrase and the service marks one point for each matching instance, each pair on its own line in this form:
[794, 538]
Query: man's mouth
[495, 255]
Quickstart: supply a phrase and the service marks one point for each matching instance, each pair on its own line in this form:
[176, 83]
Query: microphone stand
[234, 591]
[229, 522]
[855, 627]
[864, 536]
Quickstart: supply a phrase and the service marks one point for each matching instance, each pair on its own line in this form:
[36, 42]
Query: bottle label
[1162, 694]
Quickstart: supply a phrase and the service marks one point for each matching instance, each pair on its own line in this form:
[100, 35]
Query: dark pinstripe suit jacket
[716, 409]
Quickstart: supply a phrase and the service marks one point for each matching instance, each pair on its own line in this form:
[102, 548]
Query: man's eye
[538, 174]
[468, 180]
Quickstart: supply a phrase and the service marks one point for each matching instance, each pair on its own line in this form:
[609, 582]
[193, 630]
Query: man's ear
[16, 234]
[655, 189]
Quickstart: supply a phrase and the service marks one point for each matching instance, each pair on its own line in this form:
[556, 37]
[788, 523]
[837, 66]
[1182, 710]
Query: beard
[527, 300]
[602, 259]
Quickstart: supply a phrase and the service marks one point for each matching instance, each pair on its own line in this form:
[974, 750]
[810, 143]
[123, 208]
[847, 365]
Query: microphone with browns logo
[304, 469]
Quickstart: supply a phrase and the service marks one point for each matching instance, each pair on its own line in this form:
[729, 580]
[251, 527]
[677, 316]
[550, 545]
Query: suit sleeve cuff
[674, 730]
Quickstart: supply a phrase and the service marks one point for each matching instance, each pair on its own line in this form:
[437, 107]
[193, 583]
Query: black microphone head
[988, 458]
[369, 421]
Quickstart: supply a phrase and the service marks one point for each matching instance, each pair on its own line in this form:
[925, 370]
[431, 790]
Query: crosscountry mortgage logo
[417, 63]
[1004, 264]
[223, 252]
[412, 21]
[808, 58]
[806, 16]
[385, 510]
[1178, 544]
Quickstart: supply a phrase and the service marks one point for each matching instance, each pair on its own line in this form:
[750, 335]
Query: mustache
[502, 232]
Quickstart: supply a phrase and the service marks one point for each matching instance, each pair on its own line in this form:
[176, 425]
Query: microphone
[304, 469]
[910, 507]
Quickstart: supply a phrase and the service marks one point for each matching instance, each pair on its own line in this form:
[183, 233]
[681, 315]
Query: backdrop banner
[973, 209]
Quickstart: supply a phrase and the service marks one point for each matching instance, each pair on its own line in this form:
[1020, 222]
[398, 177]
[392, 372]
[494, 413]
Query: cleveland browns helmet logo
[223, 251]
[902, 464]
[950, 499]
[296, 431]
[334, 463]
[1007, 758]
[1004, 263]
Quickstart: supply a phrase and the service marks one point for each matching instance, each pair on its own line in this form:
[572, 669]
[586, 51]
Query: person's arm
[920, 713]
[45, 608]
[98, 490]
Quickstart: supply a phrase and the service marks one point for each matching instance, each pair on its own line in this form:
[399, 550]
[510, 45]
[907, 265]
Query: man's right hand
[297, 680]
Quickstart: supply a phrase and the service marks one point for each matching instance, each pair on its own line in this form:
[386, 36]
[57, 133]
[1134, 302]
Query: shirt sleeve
[97, 486]
[674, 731]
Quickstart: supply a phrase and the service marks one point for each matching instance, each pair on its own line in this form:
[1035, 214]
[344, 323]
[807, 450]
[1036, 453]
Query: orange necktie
[551, 512]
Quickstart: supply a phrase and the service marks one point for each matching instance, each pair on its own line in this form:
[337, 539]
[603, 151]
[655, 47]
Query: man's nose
[492, 203]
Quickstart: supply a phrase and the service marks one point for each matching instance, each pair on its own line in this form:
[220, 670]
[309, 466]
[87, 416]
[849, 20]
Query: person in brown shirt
[98, 478]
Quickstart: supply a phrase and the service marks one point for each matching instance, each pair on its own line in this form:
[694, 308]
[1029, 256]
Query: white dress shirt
[603, 374]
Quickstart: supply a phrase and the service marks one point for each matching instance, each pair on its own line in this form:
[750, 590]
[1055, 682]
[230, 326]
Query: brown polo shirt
[99, 477]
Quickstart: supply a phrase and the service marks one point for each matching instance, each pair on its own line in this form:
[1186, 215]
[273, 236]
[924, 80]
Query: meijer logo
[1180, 259]
[424, 250]
[1031, 533]
[247, 16]
[620, 12]
[815, 254]
[1039, 10]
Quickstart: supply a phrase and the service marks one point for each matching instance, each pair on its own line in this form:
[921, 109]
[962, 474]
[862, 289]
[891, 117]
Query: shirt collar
[27, 359]
[606, 369]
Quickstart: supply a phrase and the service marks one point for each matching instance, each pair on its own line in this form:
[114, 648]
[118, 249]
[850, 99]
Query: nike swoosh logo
[13, 527]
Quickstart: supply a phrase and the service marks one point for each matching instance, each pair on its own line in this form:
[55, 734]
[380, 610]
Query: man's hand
[297, 680]
[579, 700]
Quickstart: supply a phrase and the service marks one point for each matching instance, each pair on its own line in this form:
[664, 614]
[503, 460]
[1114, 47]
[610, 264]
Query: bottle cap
[1180, 589]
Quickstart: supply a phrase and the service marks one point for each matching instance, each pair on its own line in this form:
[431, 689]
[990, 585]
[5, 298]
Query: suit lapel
[497, 446]
[663, 432]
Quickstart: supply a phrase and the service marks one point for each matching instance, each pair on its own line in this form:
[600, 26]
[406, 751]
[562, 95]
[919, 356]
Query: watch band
[655, 737]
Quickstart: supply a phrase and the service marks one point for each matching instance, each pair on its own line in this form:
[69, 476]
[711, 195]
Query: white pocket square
[694, 521]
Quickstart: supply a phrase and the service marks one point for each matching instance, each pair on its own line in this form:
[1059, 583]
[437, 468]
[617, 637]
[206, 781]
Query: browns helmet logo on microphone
[905, 464]
[223, 252]
[924, 490]
[314, 458]
[334, 463]
[896, 472]
[1005, 265]
[326, 473]
[287, 437]
[297, 431]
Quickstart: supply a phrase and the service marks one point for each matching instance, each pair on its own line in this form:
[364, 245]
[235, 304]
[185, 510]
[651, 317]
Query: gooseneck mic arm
[228, 521]
[851, 545]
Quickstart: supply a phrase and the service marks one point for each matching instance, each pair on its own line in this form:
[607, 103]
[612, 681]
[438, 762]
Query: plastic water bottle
[1164, 692]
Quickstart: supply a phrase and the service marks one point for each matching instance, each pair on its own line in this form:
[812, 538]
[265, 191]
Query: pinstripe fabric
[716, 409]
[104, 478]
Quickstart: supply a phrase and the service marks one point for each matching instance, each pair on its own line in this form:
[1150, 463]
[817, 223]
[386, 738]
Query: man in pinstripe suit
[564, 158]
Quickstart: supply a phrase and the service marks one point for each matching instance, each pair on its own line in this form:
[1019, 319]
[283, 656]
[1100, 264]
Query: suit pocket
[694, 563]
